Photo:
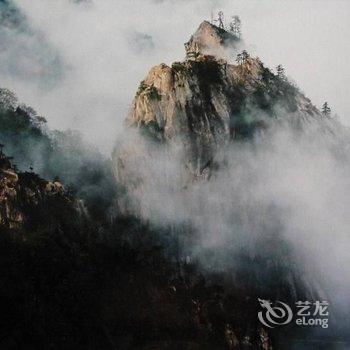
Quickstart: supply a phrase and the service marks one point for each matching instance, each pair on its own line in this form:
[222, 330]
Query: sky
[79, 64]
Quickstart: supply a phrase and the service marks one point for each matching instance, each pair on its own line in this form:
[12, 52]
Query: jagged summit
[206, 101]
[210, 40]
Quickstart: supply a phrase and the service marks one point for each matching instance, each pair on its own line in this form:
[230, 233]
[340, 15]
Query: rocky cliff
[27, 199]
[212, 40]
[207, 101]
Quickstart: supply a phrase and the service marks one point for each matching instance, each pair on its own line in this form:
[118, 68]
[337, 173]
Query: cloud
[284, 185]
[106, 48]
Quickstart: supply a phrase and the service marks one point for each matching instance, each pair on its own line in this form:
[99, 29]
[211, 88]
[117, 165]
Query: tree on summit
[281, 72]
[242, 57]
[220, 20]
[239, 59]
[235, 26]
[245, 56]
[326, 111]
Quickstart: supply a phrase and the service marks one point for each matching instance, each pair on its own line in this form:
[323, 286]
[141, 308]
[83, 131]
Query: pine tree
[239, 59]
[326, 111]
[245, 56]
[242, 57]
[280, 72]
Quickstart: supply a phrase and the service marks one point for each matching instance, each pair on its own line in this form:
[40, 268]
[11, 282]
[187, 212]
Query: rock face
[9, 214]
[205, 101]
[21, 194]
[211, 40]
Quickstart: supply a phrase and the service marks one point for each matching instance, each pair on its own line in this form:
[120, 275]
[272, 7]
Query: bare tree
[220, 20]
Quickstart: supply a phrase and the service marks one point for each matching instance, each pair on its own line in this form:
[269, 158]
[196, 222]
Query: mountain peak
[207, 101]
[210, 39]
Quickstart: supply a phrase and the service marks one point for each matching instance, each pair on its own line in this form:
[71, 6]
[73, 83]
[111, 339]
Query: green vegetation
[243, 57]
[179, 68]
[152, 131]
[208, 74]
[142, 87]
[152, 91]
[154, 94]
[263, 99]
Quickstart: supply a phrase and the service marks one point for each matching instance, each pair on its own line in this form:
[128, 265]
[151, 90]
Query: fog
[282, 186]
[79, 63]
